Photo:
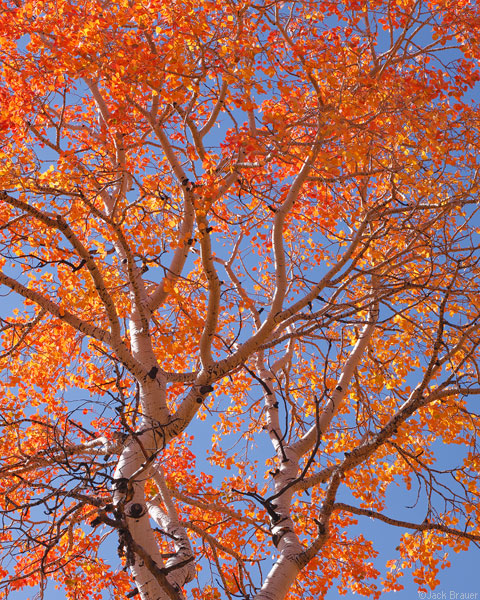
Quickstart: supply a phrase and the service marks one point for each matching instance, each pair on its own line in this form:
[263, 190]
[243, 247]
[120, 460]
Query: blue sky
[460, 582]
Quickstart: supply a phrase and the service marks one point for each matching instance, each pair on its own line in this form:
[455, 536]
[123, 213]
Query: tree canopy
[239, 252]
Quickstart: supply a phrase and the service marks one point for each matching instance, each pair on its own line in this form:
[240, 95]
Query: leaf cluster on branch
[239, 266]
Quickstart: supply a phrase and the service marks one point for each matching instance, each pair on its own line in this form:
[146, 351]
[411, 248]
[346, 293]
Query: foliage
[253, 222]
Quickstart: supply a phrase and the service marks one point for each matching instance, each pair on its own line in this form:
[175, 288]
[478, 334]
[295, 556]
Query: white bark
[133, 470]
[292, 555]
[129, 499]
[181, 566]
[339, 394]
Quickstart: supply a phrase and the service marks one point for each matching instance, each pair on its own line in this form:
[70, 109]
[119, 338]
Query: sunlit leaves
[169, 137]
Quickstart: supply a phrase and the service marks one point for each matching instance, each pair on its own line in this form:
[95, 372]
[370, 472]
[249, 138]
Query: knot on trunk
[135, 510]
